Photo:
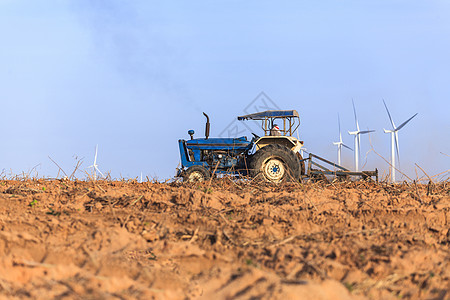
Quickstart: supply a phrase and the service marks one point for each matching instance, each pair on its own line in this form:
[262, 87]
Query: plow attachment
[318, 167]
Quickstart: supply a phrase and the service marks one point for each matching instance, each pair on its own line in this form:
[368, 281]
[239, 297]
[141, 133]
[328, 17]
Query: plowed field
[223, 240]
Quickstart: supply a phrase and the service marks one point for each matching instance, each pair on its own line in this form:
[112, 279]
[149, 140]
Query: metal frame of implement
[341, 171]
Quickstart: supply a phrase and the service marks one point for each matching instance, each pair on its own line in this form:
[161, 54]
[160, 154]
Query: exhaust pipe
[207, 127]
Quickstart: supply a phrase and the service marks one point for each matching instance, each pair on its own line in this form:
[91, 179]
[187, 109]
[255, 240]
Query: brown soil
[223, 240]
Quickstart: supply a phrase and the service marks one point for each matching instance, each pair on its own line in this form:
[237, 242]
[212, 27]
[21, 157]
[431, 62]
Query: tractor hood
[219, 143]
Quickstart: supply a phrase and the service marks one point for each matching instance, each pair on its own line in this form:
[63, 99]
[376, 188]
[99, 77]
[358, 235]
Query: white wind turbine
[302, 152]
[394, 141]
[95, 166]
[357, 138]
[340, 143]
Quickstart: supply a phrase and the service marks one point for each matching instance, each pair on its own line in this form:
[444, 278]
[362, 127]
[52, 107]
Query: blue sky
[134, 76]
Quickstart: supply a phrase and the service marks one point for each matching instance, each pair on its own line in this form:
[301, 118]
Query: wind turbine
[95, 166]
[394, 141]
[357, 138]
[340, 143]
[302, 150]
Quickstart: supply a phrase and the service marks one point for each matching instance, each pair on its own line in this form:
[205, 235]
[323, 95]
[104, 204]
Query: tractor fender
[287, 141]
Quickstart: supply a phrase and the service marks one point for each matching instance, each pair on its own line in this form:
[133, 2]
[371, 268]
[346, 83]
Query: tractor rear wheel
[196, 174]
[275, 163]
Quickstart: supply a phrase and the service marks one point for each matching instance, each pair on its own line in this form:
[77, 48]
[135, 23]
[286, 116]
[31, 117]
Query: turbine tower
[95, 166]
[340, 143]
[357, 134]
[394, 141]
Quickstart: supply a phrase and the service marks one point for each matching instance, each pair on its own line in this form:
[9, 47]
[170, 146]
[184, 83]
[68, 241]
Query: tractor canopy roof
[270, 114]
[290, 120]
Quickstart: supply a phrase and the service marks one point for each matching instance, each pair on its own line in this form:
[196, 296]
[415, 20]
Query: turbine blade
[404, 123]
[347, 147]
[366, 131]
[389, 114]
[359, 148]
[100, 172]
[359, 143]
[339, 124]
[397, 147]
[95, 157]
[354, 112]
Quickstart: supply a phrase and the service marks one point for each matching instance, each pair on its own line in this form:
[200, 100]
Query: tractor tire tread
[290, 159]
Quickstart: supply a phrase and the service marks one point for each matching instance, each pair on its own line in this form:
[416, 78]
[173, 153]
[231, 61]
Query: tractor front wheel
[275, 163]
[196, 174]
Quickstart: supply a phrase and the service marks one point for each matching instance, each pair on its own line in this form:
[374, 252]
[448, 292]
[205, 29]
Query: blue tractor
[273, 157]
